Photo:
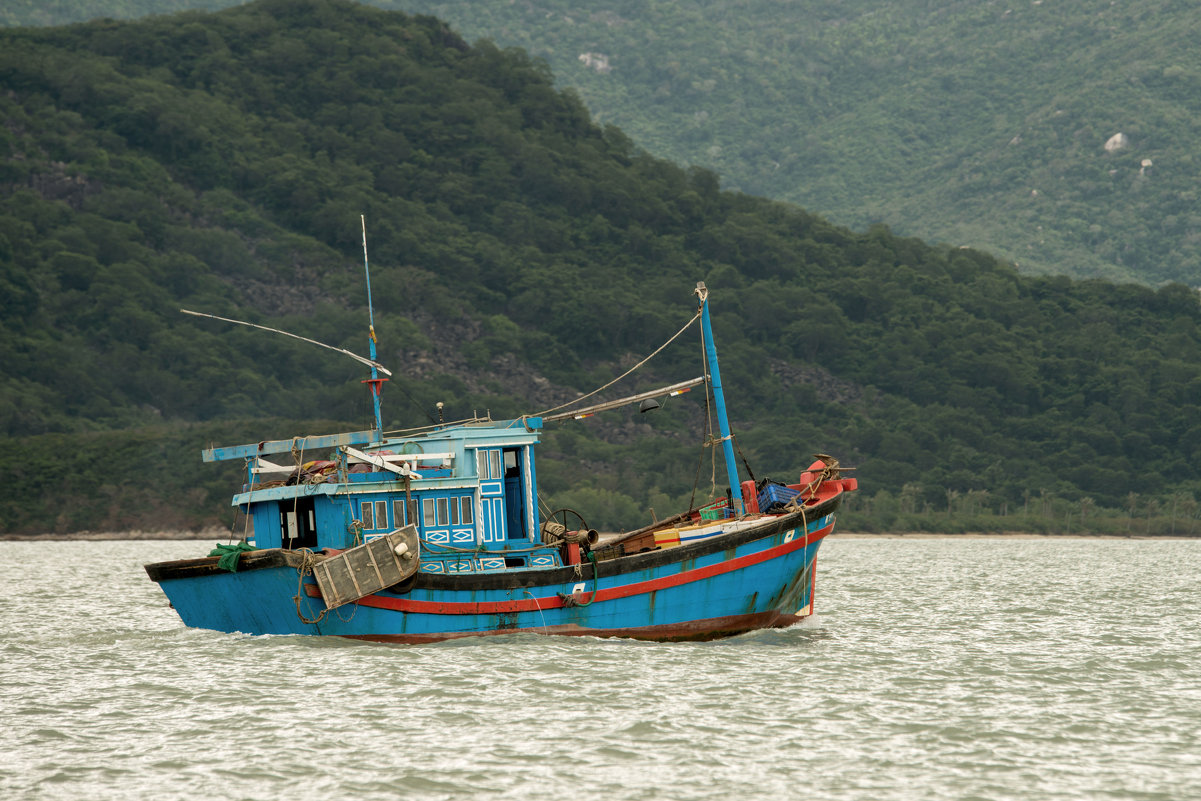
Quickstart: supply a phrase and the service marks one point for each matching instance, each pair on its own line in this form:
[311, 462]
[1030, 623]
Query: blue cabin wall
[477, 489]
[448, 517]
[334, 523]
[265, 519]
[456, 516]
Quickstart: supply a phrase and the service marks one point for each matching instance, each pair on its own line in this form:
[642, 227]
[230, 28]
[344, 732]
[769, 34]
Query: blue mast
[375, 381]
[719, 399]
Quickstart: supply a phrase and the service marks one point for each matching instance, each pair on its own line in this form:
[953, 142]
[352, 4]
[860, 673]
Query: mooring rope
[538, 606]
[306, 569]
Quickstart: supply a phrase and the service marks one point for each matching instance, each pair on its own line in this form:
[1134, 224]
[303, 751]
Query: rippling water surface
[936, 669]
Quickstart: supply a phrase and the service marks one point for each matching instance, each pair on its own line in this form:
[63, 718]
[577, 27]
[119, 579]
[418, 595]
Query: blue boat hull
[758, 577]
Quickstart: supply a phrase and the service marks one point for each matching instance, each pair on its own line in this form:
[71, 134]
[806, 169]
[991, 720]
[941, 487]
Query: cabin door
[514, 495]
[298, 526]
[492, 494]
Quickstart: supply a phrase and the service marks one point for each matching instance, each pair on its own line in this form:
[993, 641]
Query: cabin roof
[494, 433]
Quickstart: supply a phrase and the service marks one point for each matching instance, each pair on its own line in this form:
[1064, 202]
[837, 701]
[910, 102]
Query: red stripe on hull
[555, 602]
[695, 630]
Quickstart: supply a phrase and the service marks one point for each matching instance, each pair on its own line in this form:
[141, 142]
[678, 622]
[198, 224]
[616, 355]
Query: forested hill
[61, 12]
[520, 253]
[987, 124]
[994, 125]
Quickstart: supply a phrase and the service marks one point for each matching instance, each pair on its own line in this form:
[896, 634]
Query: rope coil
[306, 569]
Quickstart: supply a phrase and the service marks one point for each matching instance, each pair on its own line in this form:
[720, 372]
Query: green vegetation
[520, 254]
[965, 123]
[962, 122]
[61, 12]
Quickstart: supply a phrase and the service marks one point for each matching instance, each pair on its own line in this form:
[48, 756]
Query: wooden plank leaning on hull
[368, 568]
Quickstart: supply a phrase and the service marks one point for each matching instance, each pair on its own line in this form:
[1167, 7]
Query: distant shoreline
[100, 536]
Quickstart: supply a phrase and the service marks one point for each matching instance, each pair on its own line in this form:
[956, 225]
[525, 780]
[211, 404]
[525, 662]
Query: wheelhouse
[470, 490]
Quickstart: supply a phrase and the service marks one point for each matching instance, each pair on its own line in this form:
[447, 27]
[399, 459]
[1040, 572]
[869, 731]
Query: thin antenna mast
[375, 381]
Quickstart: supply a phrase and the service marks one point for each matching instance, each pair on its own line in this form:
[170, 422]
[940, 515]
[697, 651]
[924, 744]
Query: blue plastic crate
[775, 493]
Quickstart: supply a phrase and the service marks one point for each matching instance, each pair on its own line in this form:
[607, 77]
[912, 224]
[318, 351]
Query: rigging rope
[623, 375]
[245, 514]
[742, 456]
[543, 506]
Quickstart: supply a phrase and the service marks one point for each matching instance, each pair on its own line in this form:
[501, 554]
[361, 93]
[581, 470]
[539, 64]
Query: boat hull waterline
[758, 577]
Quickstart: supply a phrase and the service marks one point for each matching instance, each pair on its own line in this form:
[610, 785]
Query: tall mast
[719, 399]
[375, 381]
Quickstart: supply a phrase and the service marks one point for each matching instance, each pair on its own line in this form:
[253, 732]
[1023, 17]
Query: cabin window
[381, 514]
[398, 513]
[402, 518]
[366, 517]
[488, 464]
[454, 511]
[511, 464]
[427, 511]
[466, 515]
[442, 515]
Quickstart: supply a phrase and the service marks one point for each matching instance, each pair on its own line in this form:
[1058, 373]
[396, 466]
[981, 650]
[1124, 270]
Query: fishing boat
[437, 533]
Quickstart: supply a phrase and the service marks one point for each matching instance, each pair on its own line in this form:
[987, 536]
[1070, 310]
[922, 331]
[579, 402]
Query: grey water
[1047, 668]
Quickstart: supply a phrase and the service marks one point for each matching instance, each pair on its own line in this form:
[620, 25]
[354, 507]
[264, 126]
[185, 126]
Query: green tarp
[229, 555]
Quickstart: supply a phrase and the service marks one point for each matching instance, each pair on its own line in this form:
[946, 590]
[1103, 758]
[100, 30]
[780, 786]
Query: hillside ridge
[519, 249]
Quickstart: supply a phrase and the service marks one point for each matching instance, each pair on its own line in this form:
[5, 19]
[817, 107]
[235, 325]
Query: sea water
[1048, 668]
